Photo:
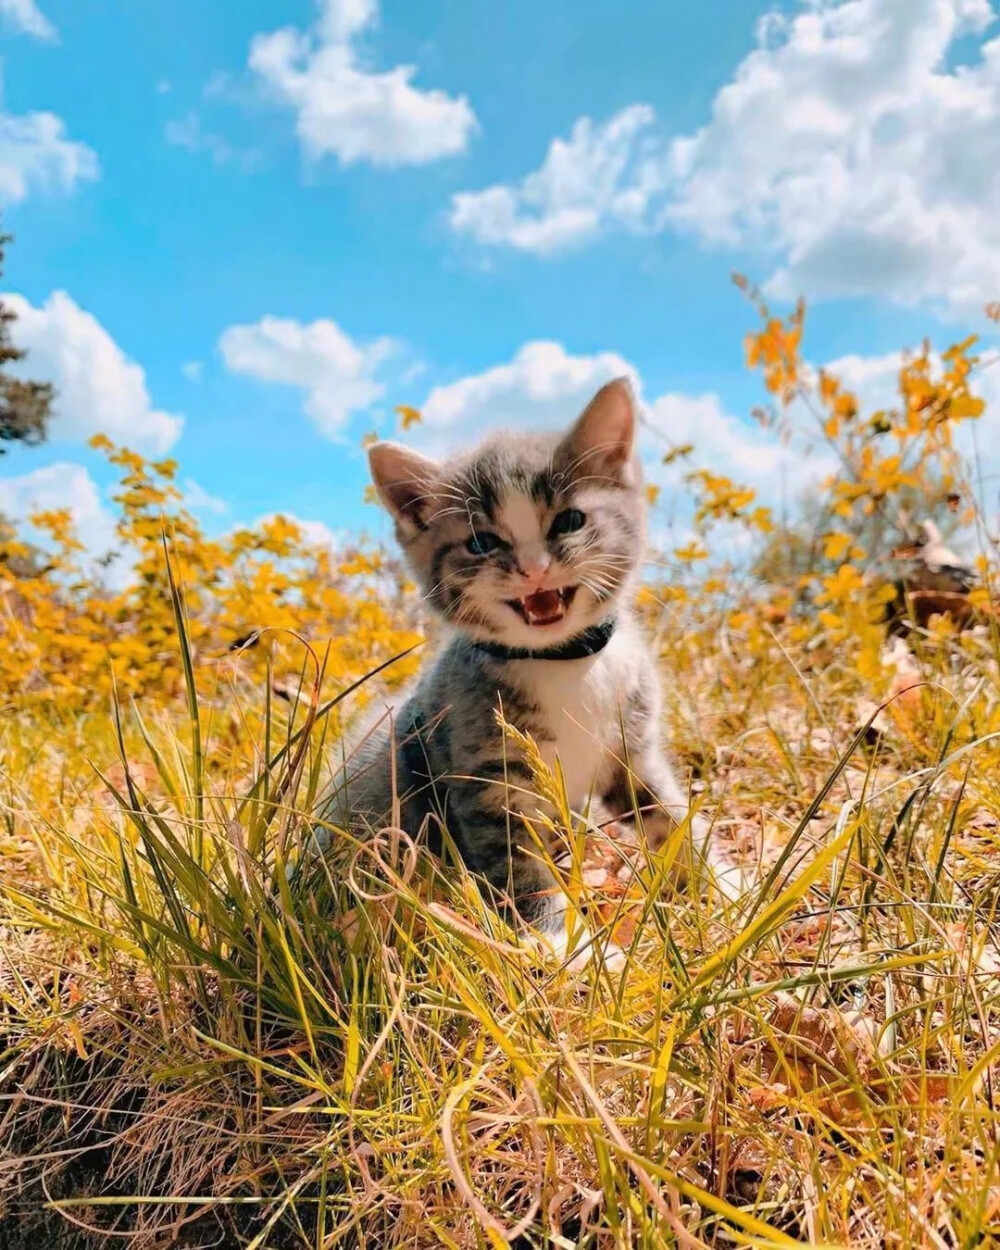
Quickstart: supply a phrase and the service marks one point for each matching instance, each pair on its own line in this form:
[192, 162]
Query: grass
[202, 1045]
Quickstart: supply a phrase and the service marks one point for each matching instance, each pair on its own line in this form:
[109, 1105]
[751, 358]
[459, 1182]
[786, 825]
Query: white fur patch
[519, 517]
[581, 702]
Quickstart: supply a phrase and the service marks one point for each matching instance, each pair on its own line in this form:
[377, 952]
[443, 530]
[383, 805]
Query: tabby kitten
[530, 548]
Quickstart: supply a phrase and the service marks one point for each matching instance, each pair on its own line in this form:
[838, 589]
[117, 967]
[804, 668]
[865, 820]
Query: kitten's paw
[729, 878]
[612, 956]
[586, 950]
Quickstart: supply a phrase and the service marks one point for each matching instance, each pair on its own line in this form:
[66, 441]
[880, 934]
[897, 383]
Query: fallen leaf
[824, 1052]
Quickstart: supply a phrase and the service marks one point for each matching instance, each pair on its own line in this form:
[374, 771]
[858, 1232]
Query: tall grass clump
[211, 1036]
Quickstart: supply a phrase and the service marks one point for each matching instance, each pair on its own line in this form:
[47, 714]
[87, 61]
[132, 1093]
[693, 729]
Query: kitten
[530, 548]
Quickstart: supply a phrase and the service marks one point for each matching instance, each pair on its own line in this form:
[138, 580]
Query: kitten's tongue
[544, 607]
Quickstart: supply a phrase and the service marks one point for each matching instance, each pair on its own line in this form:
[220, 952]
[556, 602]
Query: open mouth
[544, 607]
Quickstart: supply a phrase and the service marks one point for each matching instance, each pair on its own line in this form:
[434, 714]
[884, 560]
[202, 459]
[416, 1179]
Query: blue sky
[244, 232]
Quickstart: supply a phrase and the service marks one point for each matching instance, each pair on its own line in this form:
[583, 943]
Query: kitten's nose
[534, 565]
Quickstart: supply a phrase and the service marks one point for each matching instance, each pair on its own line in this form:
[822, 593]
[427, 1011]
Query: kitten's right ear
[406, 482]
[602, 441]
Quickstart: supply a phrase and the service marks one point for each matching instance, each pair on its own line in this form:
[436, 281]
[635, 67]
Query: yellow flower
[408, 416]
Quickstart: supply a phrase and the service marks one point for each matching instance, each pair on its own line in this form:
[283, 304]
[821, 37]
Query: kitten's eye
[567, 522]
[483, 543]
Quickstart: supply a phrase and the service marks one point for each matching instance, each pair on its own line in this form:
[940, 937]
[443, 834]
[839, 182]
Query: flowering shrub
[252, 599]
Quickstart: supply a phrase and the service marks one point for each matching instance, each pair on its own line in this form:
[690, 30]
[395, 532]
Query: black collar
[590, 642]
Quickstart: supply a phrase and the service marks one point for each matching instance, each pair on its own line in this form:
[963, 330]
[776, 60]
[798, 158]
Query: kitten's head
[528, 539]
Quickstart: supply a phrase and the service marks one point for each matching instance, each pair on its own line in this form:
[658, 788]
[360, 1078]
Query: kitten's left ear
[602, 441]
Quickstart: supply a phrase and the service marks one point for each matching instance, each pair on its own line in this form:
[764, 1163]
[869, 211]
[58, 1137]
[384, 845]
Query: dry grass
[200, 1046]
[208, 1039]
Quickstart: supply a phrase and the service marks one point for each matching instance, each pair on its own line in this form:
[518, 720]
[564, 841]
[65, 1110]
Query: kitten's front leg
[663, 807]
[497, 847]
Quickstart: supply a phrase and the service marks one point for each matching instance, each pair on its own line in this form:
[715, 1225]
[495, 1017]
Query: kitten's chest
[579, 704]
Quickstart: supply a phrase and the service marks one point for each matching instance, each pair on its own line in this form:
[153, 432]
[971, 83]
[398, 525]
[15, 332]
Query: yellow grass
[206, 1038]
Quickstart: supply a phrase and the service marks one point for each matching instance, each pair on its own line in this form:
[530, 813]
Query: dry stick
[628, 1154]
[399, 993]
[641, 1175]
[396, 881]
[462, 1183]
[748, 1223]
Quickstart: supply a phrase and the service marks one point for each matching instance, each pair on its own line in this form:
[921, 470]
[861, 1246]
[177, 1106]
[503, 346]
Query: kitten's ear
[406, 481]
[602, 441]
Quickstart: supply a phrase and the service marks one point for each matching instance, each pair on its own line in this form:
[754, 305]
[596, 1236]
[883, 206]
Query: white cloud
[61, 485]
[198, 499]
[545, 387]
[602, 176]
[856, 148]
[739, 449]
[348, 110]
[314, 533]
[35, 154]
[98, 389]
[193, 370]
[873, 379]
[25, 15]
[850, 147]
[337, 374]
[875, 382]
[188, 133]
